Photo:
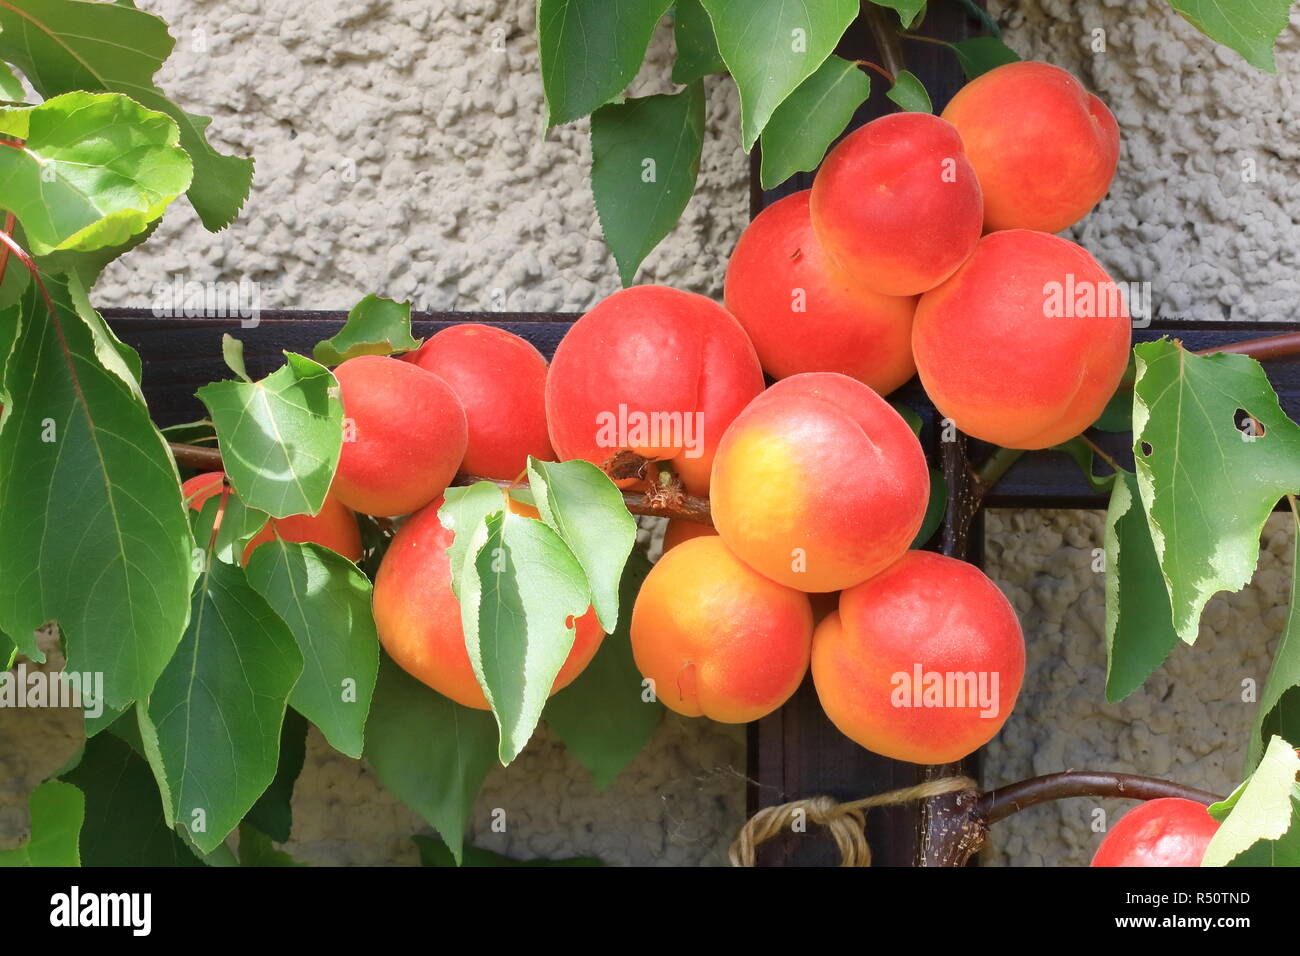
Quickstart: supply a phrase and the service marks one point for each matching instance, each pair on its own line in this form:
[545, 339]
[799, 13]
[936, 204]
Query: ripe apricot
[819, 483]
[651, 371]
[1169, 831]
[1045, 149]
[418, 617]
[922, 662]
[718, 639]
[897, 205]
[805, 315]
[500, 380]
[1026, 344]
[404, 437]
[679, 530]
[334, 526]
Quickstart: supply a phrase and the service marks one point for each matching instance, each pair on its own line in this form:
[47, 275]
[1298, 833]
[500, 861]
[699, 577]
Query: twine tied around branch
[847, 822]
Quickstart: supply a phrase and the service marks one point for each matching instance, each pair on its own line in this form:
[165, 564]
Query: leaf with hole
[1207, 486]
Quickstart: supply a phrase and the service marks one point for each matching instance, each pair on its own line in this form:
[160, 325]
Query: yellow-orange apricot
[922, 662]
[718, 639]
[651, 371]
[805, 315]
[418, 617]
[819, 483]
[897, 205]
[1045, 149]
[1026, 344]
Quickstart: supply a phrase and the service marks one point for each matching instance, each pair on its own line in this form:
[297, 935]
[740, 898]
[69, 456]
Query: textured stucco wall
[456, 195]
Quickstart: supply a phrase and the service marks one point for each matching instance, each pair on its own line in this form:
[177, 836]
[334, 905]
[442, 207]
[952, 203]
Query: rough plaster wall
[1191, 115]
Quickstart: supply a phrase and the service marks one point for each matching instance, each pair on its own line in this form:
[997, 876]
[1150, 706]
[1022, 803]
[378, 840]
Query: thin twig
[1001, 803]
[1101, 453]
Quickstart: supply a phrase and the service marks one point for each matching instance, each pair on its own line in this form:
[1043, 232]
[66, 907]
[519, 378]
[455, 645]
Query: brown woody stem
[995, 805]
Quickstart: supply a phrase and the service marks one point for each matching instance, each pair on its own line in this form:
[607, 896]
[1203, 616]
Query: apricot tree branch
[1269, 347]
[686, 507]
[1000, 803]
[885, 36]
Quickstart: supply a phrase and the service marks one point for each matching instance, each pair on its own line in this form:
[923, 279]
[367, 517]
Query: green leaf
[935, 508]
[8, 652]
[375, 326]
[591, 50]
[770, 48]
[432, 753]
[645, 157]
[909, 93]
[124, 815]
[239, 524]
[585, 508]
[465, 510]
[92, 530]
[611, 687]
[697, 48]
[978, 55]
[11, 88]
[256, 849]
[909, 11]
[1278, 713]
[58, 811]
[280, 437]
[212, 727]
[804, 126]
[232, 352]
[1263, 825]
[434, 852]
[1250, 28]
[66, 45]
[273, 812]
[519, 587]
[325, 601]
[1207, 487]
[1139, 621]
[201, 432]
[1084, 456]
[74, 186]
[910, 415]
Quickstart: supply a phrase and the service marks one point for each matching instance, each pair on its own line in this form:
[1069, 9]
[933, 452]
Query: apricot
[1169, 831]
[923, 662]
[819, 483]
[896, 204]
[679, 530]
[405, 435]
[718, 639]
[1026, 343]
[805, 315]
[418, 617]
[500, 380]
[653, 372]
[1045, 149]
[333, 527]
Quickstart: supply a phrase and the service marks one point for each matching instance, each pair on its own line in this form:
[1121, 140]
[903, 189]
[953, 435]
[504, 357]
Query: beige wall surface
[399, 151]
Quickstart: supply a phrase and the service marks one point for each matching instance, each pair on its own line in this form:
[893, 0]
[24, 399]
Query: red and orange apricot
[1045, 149]
[1026, 343]
[500, 380]
[404, 437]
[922, 662]
[651, 371]
[805, 315]
[1170, 831]
[418, 617]
[716, 638]
[897, 205]
[819, 483]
